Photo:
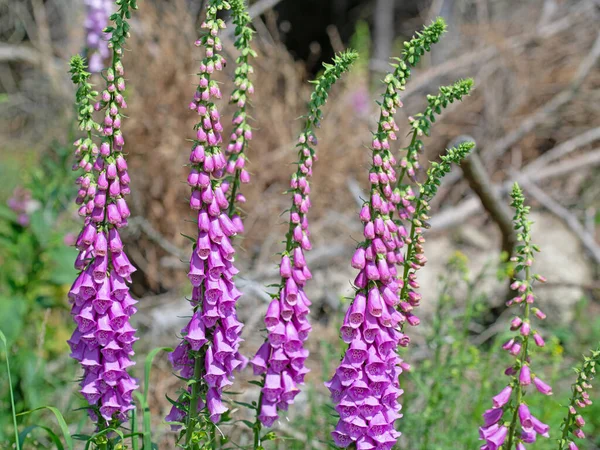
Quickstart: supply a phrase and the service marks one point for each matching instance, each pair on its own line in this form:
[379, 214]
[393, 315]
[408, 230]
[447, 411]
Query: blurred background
[535, 115]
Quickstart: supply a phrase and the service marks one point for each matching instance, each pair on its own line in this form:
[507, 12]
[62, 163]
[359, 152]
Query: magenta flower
[519, 346]
[22, 204]
[209, 352]
[280, 360]
[97, 14]
[365, 386]
[101, 302]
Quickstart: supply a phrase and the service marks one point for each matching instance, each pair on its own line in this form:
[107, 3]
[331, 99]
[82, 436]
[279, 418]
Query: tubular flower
[281, 358]
[242, 132]
[101, 303]
[574, 422]
[96, 20]
[208, 353]
[496, 432]
[365, 386]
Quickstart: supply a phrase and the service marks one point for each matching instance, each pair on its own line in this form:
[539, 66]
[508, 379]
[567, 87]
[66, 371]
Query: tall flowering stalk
[208, 353]
[242, 131]
[412, 212]
[510, 411]
[280, 360]
[96, 20]
[365, 387]
[573, 422]
[102, 305]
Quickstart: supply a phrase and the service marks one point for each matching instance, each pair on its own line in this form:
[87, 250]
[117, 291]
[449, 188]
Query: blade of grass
[61, 423]
[143, 399]
[134, 432]
[53, 436]
[10, 389]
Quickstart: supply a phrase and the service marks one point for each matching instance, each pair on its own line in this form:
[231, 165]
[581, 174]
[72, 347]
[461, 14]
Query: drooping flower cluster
[208, 353]
[365, 386]
[497, 432]
[408, 210]
[96, 20]
[574, 422]
[242, 131]
[281, 358]
[102, 304]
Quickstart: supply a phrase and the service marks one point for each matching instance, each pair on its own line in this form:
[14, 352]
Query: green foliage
[36, 272]
[580, 395]
[85, 97]
[323, 84]
[437, 171]
[422, 122]
[10, 390]
[421, 42]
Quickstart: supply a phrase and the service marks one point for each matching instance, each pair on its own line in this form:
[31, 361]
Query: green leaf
[10, 389]
[148, 366]
[61, 265]
[143, 399]
[247, 405]
[61, 423]
[53, 437]
[102, 433]
[12, 313]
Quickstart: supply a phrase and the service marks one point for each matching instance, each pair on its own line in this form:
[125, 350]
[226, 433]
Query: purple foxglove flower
[541, 386]
[215, 406]
[213, 335]
[519, 345]
[525, 375]
[525, 416]
[286, 318]
[492, 416]
[503, 397]
[540, 427]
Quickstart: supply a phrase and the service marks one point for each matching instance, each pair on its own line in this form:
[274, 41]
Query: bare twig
[589, 159]
[564, 149]
[545, 113]
[481, 56]
[469, 207]
[480, 183]
[19, 53]
[355, 190]
[140, 223]
[561, 212]
[261, 6]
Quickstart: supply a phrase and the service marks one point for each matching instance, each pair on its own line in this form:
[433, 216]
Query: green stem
[569, 419]
[213, 437]
[257, 425]
[523, 360]
[193, 412]
[234, 188]
[404, 169]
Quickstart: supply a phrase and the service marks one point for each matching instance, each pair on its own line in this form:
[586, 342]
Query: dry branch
[564, 149]
[458, 214]
[562, 213]
[492, 202]
[545, 113]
